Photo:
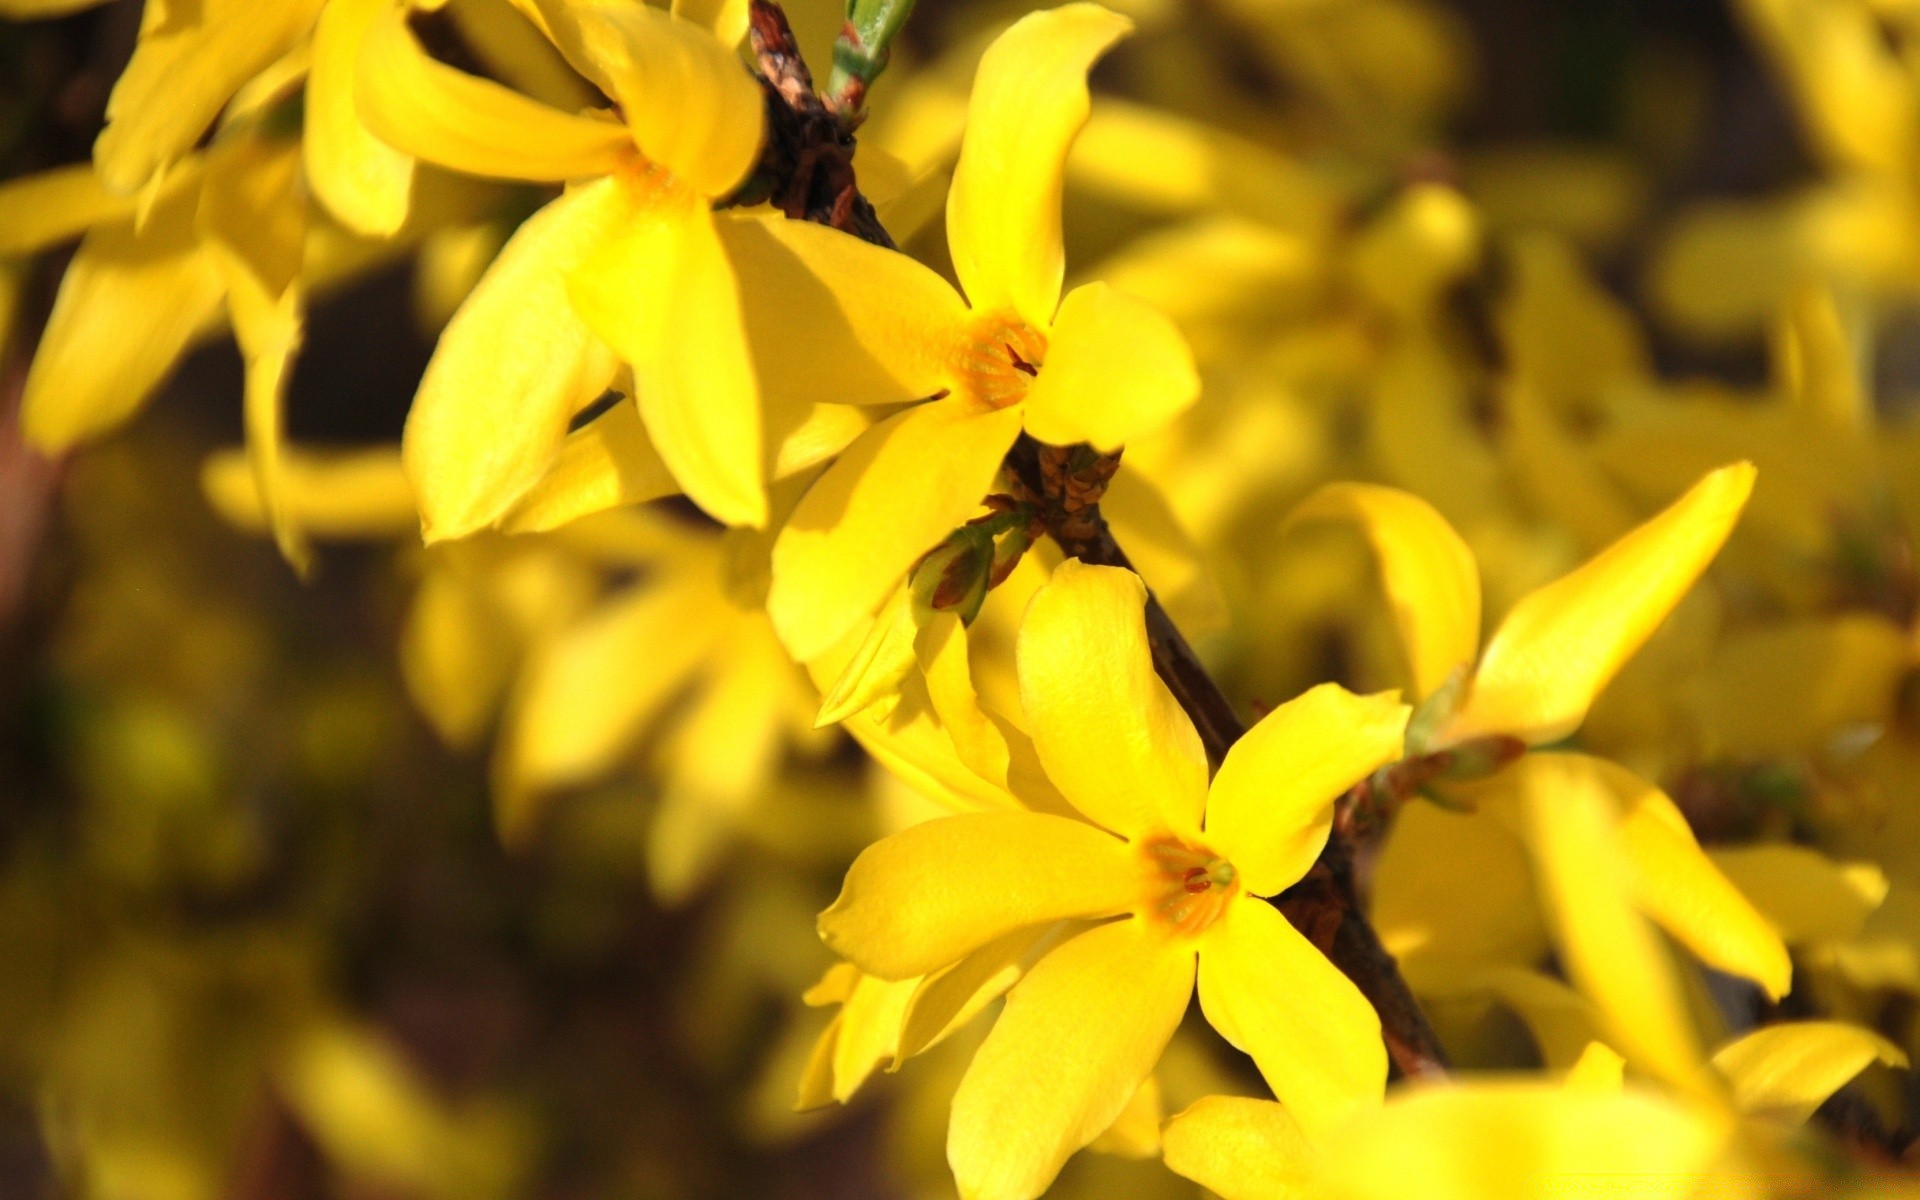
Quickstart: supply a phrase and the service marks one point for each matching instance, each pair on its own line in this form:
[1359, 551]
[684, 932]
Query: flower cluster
[1306, 685]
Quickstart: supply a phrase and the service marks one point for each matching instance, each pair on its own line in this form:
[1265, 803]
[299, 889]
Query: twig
[807, 170]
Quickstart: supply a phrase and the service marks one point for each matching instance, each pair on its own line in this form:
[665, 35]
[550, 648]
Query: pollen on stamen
[1000, 358]
[1187, 887]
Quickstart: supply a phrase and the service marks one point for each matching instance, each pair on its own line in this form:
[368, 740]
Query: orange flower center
[999, 358]
[1187, 887]
[647, 182]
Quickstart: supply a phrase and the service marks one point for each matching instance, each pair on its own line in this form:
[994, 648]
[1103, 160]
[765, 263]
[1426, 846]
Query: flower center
[999, 359]
[647, 182]
[1187, 887]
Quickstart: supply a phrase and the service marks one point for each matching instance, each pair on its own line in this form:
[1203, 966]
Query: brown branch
[806, 169]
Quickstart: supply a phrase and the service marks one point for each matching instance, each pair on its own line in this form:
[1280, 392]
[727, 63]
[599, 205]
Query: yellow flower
[1514, 1138]
[1183, 866]
[626, 265]
[1095, 367]
[1561, 644]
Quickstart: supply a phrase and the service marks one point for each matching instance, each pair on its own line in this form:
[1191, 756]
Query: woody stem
[807, 167]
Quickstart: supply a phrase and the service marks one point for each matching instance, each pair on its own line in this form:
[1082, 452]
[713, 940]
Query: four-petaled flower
[1172, 870]
[1096, 367]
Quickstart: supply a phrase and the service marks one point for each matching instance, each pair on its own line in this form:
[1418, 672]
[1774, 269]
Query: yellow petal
[513, 366]
[515, 50]
[128, 307]
[932, 894]
[184, 70]
[726, 18]
[664, 297]
[1313, 1035]
[1842, 671]
[1804, 894]
[884, 658]
[605, 464]
[1598, 1069]
[1455, 887]
[1680, 888]
[454, 661]
[815, 1089]
[1563, 643]
[1271, 805]
[1431, 579]
[580, 703]
[869, 1031]
[38, 211]
[1078, 1035]
[1117, 369]
[1109, 733]
[362, 180]
[1240, 1149]
[1788, 1070]
[1524, 1141]
[897, 491]
[1029, 101]
[40, 10]
[687, 98]
[254, 218]
[335, 494]
[835, 319]
[429, 110]
[1566, 818]
[944, 1002]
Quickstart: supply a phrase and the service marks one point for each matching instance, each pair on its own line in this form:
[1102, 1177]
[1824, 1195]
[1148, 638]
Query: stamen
[1187, 887]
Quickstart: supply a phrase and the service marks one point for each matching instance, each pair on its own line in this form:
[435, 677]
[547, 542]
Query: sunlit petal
[1563, 643]
[1313, 1035]
[1271, 804]
[1029, 101]
[1116, 370]
[1431, 578]
[1109, 733]
[1091, 1019]
[897, 491]
[932, 894]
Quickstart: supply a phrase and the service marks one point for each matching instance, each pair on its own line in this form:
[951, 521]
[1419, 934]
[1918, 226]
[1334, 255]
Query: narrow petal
[944, 1002]
[930, 895]
[183, 72]
[869, 1031]
[1078, 1035]
[1566, 817]
[1313, 1035]
[1240, 1149]
[1109, 733]
[607, 463]
[38, 211]
[1684, 892]
[362, 180]
[1431, 579]
[1527, 1139]
[1272, 802]
[688, 99]
[580, 702]
[664, 297]
[834, 319]
[1117, 369]
[1788, 1070]
[511, 368]
[1029, 101]
[1563, 643]
[335, 494]
[128, 307]
[429, 110]
[897, 491]
[253, 217]
[1805, 895]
